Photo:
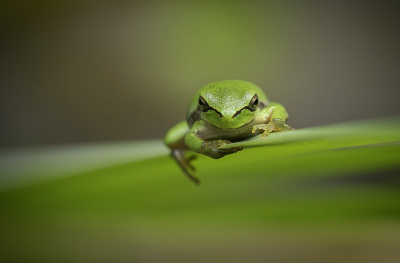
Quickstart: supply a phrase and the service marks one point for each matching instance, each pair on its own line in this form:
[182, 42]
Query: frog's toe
[264, 135]
[236, 149]
[211, 149]
[281, 126]
[267, 128]
[189, 160]
[273, 126]
[258, 127]
[185, 163]
[231, 150]
[226, 151]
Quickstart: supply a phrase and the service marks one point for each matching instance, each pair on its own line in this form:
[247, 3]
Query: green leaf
[335, 136]
[314, 190]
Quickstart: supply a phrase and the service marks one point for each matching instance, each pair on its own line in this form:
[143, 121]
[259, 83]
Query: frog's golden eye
[253, 103]
[203, 105]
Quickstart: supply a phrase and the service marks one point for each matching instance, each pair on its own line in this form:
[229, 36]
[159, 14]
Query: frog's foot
[273, 126]
[210, 148]
[185, 163]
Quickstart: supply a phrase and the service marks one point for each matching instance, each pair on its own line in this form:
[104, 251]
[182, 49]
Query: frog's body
[220, 113]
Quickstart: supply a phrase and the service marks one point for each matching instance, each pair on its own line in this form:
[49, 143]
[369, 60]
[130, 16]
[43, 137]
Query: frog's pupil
[200, 102]
[256, 102]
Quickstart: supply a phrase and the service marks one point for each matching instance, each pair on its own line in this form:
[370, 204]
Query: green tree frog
[221, 113]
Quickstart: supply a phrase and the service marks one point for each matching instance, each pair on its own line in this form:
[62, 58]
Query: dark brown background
[80, 71]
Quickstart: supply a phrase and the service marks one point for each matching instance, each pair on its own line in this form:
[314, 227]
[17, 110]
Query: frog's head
[230, 104]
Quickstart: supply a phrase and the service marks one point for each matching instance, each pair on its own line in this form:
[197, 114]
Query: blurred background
[92, 71]
[85, 83]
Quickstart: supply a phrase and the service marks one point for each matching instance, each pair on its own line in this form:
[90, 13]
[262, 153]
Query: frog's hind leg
[184, 163]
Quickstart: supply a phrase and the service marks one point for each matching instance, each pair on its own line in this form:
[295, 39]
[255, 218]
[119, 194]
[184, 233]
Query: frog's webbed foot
[185, 163]
[273, 126]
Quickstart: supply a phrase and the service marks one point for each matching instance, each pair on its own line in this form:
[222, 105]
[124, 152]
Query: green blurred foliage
[303, 200]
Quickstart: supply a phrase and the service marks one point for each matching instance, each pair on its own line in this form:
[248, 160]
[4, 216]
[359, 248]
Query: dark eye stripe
[251, 107]
[239, 111]
[204, 107]
[219, 113]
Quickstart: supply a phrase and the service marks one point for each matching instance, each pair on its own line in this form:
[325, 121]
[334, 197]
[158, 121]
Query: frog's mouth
[239, 111]
[250, 123]
[230, 120]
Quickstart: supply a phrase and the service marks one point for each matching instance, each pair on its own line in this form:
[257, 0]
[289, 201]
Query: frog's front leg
[208, 148]
[274, 118]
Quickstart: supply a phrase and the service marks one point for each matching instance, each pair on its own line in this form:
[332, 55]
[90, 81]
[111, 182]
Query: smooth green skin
[204, 132]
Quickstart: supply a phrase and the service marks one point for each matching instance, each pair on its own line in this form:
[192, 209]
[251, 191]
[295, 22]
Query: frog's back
[223, 88]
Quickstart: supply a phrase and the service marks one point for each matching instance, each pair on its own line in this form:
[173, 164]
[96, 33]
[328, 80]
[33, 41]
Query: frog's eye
[203, 104]
[253, 103]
